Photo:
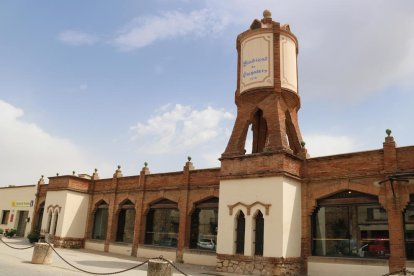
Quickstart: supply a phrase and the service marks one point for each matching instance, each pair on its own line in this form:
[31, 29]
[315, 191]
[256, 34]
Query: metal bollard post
[159, 268]
[42, 253]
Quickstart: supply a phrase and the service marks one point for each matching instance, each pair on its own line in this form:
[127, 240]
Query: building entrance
[21, 225]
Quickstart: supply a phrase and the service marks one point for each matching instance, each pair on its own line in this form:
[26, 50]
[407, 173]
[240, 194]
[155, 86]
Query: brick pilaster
[183, 207]
[395, 222]
[139, 208]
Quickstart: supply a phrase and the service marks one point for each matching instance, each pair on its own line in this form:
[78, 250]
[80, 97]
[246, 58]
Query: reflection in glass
[162, 227]
[409, 231]
[357, 230]
[100, 222]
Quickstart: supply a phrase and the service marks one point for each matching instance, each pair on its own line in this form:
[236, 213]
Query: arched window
[49, 222]
[240, 230]
[40, 216]
[126, 221]
[409, 229]
[259, 234]
[350, 223]
[56, 218]
[100, 222]
[204, 222]
[162, 224]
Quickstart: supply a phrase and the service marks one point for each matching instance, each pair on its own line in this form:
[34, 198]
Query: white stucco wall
[93, 245]
[282, 226]
[123, 249]
[200, 259]
[288, 64]
[346, 269]
[73, 213]
[15, 199]
[153, 252]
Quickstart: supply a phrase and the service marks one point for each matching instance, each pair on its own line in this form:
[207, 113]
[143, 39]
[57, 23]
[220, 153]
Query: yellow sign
[17, 204]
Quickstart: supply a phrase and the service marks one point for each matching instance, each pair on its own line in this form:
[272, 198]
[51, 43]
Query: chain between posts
[18, 248]
[99, 273]
[403, 271]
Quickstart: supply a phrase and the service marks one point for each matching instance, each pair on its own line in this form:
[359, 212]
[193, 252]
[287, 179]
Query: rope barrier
[404, 271]
[101, 273]
[18, 248]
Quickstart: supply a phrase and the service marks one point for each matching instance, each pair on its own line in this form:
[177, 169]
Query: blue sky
[94, 84]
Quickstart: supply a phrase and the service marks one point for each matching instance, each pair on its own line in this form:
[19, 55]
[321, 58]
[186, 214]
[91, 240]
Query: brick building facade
[272, 212]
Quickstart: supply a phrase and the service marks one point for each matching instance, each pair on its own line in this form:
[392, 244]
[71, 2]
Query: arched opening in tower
[259, 128]
[291, 135]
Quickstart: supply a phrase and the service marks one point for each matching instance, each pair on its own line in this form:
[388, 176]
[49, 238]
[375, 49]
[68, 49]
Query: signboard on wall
[256, 64]
[17, 204]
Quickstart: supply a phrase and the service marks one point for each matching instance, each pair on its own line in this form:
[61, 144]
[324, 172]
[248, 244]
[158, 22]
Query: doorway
[21, 224]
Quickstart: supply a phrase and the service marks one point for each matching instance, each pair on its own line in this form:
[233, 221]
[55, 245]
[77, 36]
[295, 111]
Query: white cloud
[345, 55]
[77, 38]
[28, 151]
[323, 144]
[178, 128]
[143, 31]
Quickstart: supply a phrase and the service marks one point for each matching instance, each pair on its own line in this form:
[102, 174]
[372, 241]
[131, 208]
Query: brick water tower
[260, 192]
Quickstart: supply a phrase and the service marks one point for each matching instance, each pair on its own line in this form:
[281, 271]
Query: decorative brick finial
[57, 174]
[303, 144]
[145, 164]
[73, 172]
[96, 170]
[119, 167]
[42, 176]
[267, 14]
[388, 131]
[189, 158]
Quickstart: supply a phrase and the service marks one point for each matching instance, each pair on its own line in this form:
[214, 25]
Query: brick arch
[122, 202]
[155, 199]
[200, 198]
[322, 192]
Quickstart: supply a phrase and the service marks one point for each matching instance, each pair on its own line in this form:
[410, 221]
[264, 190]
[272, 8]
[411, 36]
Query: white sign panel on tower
[256, 66]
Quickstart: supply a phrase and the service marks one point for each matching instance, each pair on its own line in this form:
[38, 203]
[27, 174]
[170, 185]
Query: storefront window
[100, 222]
[126, 222]
[162, 224]
[350, 224]
[409, 230]
[204, 222]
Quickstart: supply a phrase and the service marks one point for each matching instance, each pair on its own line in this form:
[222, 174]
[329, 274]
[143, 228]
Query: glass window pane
[353, 231]
[162, 227]
[100, 224]
[409, 232]
[204, 223]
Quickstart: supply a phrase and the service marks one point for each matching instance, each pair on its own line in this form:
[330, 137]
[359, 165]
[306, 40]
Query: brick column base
[258, 265]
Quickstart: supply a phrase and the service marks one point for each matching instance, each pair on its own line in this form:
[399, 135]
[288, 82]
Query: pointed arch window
[204, 223]
[259, 234]
[55, 219]
[162, 224]
[126, 222]
[240, 231]
[49, 222]
[100, 222]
